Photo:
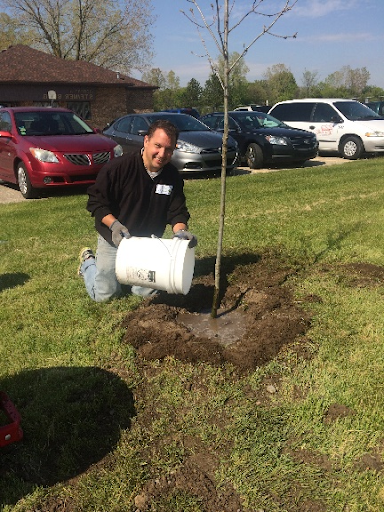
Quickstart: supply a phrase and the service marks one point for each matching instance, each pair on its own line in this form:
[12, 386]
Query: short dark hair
[163, 124]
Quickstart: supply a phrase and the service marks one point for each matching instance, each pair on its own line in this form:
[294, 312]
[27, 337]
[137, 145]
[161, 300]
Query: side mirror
[142, 132]
[7, 135]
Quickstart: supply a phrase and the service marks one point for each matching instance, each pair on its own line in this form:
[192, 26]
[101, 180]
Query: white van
[345, 126]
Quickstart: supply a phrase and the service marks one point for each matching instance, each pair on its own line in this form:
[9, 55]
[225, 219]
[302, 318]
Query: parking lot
[315, 162]
[11, 194]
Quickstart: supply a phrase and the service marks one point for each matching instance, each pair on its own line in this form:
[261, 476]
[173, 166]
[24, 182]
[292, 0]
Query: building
[30, 77]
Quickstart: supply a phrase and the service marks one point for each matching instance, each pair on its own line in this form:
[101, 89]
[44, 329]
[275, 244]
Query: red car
[42, 147]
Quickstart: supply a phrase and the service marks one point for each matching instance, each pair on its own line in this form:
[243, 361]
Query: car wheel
[26, 189]
[254, 156]
[351, 148]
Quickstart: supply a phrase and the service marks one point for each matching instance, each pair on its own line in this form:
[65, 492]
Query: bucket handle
[157, 238]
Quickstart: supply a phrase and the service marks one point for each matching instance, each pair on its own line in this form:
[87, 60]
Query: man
[134, 195]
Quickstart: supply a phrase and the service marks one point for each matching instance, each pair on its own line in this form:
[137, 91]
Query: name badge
[164, 189]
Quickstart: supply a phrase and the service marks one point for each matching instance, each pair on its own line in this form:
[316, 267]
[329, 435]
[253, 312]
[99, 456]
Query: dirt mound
[257, 316]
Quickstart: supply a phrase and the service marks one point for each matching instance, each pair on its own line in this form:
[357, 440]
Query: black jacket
[142, 204]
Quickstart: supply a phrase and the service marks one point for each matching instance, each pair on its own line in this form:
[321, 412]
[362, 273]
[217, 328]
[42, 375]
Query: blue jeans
[100, 277]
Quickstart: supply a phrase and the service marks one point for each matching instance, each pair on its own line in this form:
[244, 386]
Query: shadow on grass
[12, 280]
[71, 418]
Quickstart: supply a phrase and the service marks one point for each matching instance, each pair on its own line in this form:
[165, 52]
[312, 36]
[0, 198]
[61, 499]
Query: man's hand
[186, 235]
[118, 232]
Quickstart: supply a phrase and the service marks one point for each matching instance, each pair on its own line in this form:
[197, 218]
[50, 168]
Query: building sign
[73, 95]
[39, 92]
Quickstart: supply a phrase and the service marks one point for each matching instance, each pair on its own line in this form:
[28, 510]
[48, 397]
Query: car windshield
[50, 122]
[252, 120]
[183, 122]
[355, 111]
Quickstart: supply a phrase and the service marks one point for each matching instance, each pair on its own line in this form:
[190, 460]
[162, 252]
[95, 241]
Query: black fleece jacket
[142, 204]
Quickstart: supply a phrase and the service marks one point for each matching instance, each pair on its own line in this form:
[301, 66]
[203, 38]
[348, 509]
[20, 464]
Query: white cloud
[316, 8]
[340, 37]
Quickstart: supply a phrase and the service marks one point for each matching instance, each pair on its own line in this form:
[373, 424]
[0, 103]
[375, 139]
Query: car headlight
[278, 141]
[181, 145]
[118, 150]
[374, 134]
[43, 155]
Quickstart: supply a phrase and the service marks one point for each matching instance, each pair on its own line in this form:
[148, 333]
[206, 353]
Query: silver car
[198, 148]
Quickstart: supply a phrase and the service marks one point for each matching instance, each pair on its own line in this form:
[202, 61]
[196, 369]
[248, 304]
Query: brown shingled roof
[24, 64]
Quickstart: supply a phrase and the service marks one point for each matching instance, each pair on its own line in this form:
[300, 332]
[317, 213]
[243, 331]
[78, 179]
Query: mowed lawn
[100, 424]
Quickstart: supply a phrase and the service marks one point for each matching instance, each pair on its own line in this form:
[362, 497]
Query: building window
[82, 108]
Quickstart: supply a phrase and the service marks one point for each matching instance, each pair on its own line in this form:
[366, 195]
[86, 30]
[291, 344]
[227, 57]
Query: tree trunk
[217, 287]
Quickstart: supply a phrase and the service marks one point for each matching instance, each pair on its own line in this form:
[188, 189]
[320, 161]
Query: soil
[257, 317]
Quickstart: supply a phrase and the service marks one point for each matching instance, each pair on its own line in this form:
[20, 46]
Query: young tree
[217, 26]
[113, 34]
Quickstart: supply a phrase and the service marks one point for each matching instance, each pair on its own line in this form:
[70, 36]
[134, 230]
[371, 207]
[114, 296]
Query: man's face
[158, 150]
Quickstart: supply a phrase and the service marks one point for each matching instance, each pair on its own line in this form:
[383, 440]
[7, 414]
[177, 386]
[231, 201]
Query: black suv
[263, 139]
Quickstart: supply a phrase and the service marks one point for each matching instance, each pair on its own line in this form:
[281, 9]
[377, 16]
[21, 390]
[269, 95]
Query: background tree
[309, 81]
[170, 94]
[281, 83]
[11, 33]
[217, 25]
[191, 95]
[257, 93]
[237, 80]
[116, 35]
[373, 93]
[356, 80]
[154, 77]
[212, 94]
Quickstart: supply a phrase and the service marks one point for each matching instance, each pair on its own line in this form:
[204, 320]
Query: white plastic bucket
[158, 263]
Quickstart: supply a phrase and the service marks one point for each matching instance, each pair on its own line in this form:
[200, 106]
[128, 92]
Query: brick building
[30, 77]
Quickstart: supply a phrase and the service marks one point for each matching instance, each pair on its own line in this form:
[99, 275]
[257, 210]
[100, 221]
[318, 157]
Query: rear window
[293, 111]
[355, 111]
[183, 122]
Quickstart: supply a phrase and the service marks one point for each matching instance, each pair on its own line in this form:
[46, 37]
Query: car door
[7, 149]
[325, 124]
[234, 130]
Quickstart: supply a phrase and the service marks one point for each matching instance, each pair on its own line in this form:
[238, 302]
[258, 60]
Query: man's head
[159, 144]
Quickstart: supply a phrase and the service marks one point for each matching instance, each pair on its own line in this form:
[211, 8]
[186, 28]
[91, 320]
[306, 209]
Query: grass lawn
[103, 429]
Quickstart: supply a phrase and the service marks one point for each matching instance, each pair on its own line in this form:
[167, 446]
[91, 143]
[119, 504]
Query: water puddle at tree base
[226, 328]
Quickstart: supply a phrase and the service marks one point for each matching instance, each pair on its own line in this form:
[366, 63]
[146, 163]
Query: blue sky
[330, 34]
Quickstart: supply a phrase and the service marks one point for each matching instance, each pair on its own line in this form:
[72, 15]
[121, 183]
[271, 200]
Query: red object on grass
[12, 431]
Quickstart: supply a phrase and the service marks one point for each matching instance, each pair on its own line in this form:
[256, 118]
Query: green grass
[77, 385]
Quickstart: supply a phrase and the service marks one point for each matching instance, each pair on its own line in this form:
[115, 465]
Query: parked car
[376, 106]
[253, 107]
[262, 139]
[42, 147]
[191, 111]
[341, 125]
[198, 148]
